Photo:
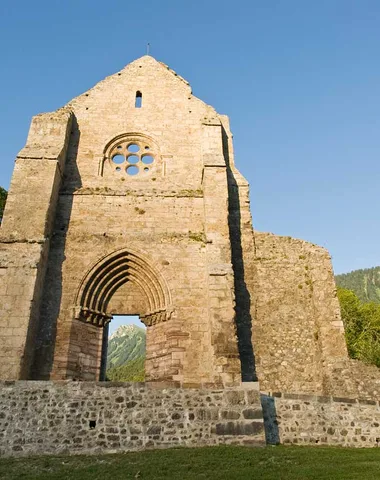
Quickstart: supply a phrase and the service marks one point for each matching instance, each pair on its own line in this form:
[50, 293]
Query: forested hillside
[126, 354]
[365, 283]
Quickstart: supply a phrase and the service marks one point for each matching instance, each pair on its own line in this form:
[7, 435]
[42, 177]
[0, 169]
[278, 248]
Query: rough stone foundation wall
[321, 420]
[87, 417]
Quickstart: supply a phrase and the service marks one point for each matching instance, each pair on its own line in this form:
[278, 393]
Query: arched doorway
[121, 283]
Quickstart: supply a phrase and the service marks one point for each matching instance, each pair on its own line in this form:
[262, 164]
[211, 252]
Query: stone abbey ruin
[127, 201]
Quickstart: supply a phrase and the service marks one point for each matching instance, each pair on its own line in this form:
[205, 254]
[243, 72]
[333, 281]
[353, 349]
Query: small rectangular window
[138, 101]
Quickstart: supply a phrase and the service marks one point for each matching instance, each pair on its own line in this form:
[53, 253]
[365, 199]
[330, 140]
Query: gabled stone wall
[170, 221]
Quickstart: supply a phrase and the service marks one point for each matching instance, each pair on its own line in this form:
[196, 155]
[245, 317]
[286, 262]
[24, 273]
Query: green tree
[352, 318]
[3, 199]
[369, 339]
[362, 327]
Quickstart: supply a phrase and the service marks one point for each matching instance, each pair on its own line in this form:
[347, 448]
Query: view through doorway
[126, 349]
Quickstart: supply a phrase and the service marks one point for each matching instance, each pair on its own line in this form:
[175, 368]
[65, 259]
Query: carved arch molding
[108, 275]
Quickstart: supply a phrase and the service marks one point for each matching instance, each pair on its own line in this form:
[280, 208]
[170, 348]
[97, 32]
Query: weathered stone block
[229, 414]
[251, 413]
[235, 397]
[239, 428]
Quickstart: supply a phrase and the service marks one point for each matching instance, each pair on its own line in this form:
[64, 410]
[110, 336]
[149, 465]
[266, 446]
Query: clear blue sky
[300, 80]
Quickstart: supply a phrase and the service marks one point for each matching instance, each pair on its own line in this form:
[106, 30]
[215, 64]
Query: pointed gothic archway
[108, 275]
[142, 290]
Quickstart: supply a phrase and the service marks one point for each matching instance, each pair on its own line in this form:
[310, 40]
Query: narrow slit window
[138, 101]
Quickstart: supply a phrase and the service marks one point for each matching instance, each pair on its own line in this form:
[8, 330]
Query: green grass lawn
[220, 463]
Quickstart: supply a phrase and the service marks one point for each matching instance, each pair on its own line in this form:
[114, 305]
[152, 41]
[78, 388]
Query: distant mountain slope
[365, 283]
[126, 354]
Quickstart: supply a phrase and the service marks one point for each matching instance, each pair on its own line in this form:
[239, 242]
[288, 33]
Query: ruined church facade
[127, 201]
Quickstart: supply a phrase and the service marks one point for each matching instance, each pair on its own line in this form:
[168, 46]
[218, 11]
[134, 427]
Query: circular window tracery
[133, 156]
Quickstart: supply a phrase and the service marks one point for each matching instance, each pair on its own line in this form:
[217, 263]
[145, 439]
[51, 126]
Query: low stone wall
[310, 419]
[89, 417]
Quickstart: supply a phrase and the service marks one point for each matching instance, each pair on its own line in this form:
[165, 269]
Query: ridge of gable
[147, 59]
[149, 62]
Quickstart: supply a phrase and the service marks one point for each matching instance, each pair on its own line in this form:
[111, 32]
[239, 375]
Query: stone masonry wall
[297, 332]
[68, 417]
[321, 420]
[355, 379]
[87, 417]
[173, 214]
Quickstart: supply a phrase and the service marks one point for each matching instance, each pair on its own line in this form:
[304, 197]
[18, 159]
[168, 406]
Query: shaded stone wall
[88, 417]
[316, 420]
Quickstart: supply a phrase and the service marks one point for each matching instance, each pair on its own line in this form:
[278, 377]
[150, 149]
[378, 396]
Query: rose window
[132, 157]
